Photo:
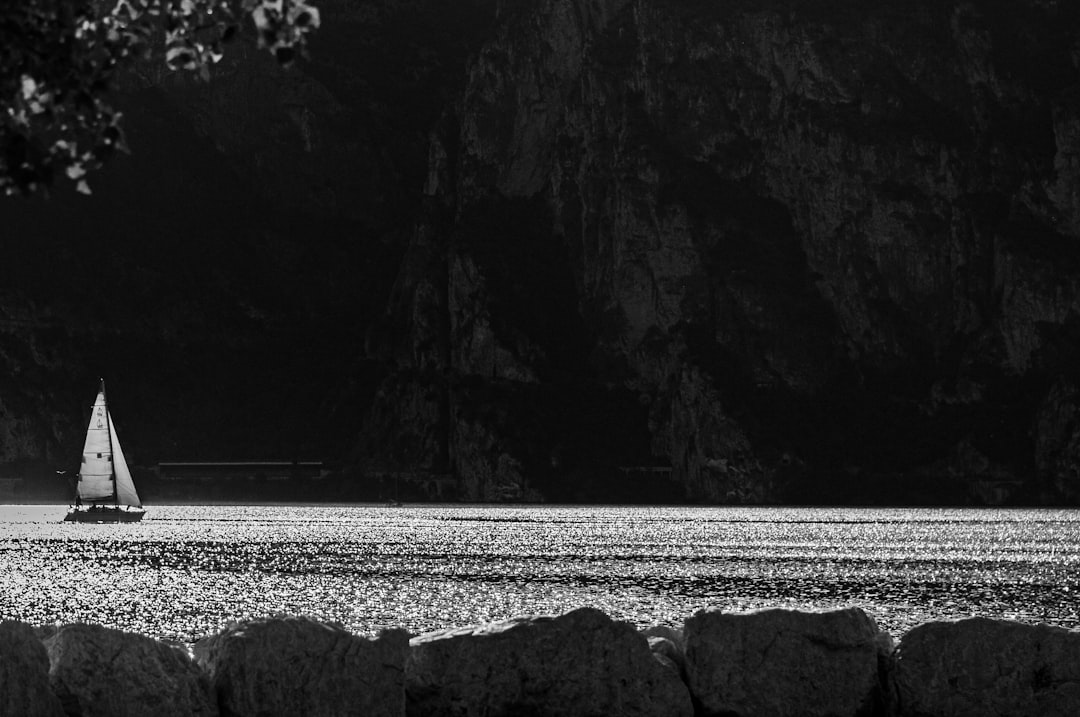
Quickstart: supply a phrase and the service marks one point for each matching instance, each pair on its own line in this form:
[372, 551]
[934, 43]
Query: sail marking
[95, 476]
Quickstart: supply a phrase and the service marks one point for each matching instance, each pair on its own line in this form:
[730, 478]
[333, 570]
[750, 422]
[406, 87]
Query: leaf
[180, 58]
[29, 87]
[258, 15]
[305, 16]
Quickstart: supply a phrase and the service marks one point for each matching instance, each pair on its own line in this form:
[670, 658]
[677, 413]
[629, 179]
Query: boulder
[98, 671]
[987, 668]
[577, 664]
[785, 662]
[673, 634]
[668, 646]
[24, 674]
[668, 654]
[297, 666]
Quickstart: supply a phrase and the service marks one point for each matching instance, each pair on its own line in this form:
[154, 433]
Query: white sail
[125, 487]
[96, 471]
[104, 476]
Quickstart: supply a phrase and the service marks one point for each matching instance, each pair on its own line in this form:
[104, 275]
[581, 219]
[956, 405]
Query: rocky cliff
[791, 251]
[598, 249]
[222, 275]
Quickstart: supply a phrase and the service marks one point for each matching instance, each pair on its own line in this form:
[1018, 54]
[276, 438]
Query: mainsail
[104, 476]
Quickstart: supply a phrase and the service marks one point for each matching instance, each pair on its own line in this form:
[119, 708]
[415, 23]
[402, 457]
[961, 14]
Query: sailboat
[104, 491]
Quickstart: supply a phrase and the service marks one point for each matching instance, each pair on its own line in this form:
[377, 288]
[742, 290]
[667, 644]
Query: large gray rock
[668, 654]
[987, 668]
[97, 671]
[297, 666]
[668, 646]
[784, 662]
[24, 674]
[581, 663]
[672, 634]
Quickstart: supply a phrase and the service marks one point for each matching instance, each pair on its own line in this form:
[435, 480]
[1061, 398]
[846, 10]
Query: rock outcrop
[100, 672]
[605, 250]
[578, 664]
[987, 667]
[297, 666]
[24, 674]
[581, 663]
[785, 662]
[249, 238]
[669, 647]
[828, 252]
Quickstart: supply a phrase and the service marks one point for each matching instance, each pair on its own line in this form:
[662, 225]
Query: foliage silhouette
[60, 58]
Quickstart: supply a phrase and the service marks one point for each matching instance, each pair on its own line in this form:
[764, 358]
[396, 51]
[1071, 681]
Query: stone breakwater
[582, 663]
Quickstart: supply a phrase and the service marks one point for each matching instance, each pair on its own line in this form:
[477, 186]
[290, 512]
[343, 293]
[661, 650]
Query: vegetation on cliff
[598, 250]
[59, 60]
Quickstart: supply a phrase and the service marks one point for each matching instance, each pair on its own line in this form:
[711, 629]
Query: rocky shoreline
[770, 662]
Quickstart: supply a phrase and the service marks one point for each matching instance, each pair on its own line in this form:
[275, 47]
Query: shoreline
[764, 662]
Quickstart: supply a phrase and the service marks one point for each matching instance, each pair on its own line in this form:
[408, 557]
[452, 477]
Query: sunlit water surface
[186, 571]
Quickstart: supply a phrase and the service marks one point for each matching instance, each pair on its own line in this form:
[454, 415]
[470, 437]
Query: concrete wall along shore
[580, 664]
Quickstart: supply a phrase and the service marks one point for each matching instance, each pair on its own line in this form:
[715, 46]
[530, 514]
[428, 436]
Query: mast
[112, 455]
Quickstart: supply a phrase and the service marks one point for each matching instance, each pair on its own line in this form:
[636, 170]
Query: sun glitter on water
[186, 571]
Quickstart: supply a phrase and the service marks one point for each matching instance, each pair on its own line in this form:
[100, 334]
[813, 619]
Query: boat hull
[104, 515]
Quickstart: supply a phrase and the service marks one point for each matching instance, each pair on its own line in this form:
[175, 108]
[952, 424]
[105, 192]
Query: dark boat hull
[104, 515]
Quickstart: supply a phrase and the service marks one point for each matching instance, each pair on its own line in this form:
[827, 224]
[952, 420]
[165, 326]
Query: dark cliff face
[221, 276]
[792, 251]
[591, 249]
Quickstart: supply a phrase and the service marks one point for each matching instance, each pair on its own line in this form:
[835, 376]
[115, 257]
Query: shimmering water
[185, 571]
